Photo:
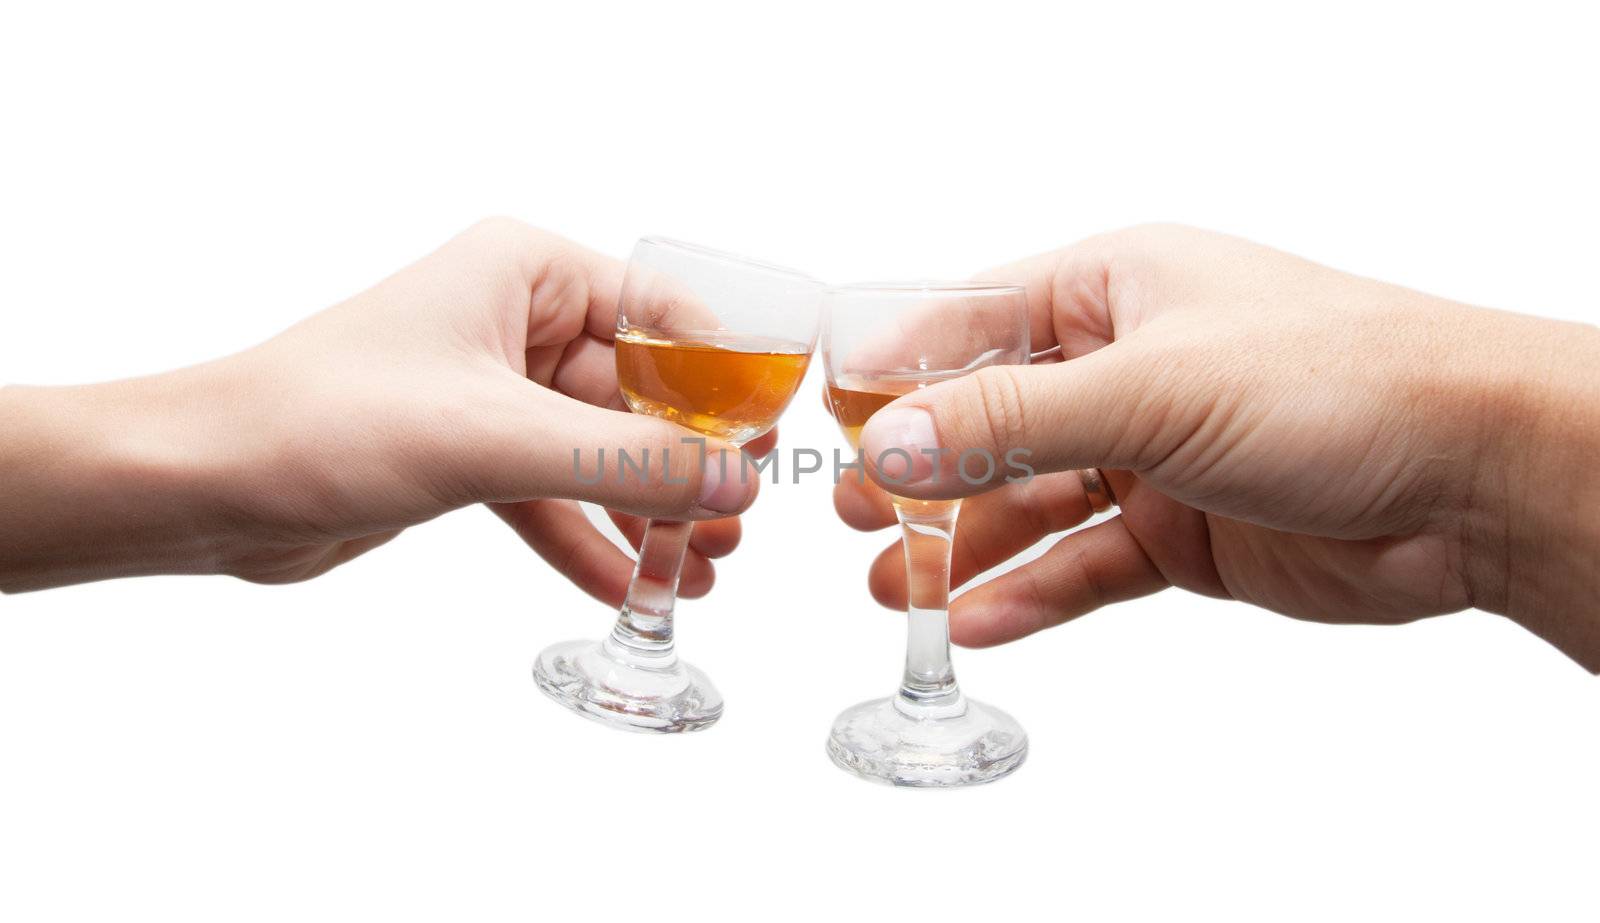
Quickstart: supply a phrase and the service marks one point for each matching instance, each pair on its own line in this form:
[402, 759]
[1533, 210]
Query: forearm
[1539, 523]
[108, 480]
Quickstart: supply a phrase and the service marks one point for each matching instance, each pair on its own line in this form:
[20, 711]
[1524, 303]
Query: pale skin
[468, 377]
[1277, 432]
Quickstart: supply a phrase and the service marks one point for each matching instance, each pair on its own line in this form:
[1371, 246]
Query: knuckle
[500, 226]
[1151, 233]
[508, 237]
[999, 395]
[1135, 252]
[1084, 576]
[1141, 251]
[1040, 508]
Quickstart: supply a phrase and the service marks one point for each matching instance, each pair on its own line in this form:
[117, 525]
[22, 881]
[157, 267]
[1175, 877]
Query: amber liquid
[852, 409]
[730, 387]
[854, 400]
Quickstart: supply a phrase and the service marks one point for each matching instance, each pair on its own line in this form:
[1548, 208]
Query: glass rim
[672, 243]
[927, 288]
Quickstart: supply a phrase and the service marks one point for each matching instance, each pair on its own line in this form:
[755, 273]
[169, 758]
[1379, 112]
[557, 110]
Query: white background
[177, 183]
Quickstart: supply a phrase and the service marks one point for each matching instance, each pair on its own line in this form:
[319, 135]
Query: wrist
[1536, 515]
[110, 480]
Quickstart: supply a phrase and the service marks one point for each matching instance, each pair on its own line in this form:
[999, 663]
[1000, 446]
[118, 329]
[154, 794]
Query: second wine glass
[718, 344]
[881, 342]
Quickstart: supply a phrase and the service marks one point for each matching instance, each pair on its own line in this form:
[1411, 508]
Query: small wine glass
[880, 342]
[718, 344]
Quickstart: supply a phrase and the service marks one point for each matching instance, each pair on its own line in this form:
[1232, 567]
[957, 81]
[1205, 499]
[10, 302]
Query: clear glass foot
[601, 680]
[885, 740]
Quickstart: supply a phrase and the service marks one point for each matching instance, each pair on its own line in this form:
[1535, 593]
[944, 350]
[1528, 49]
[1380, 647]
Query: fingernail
[901, 443]
[721, 488]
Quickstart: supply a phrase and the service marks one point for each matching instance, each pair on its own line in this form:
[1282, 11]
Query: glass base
[601, 680]
[882, 740]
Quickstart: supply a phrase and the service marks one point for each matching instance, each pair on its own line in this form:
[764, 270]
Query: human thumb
[546, 444]
[1006, 423]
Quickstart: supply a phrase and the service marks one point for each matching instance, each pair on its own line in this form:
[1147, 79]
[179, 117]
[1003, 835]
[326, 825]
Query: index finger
[1068, 301]
[568, 288]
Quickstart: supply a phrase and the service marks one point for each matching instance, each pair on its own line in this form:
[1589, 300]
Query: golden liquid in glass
[851, 409]
[731, 387]
[853, 401]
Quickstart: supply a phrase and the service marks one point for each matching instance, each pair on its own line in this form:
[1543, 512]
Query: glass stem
[928, 689]
[643, 633]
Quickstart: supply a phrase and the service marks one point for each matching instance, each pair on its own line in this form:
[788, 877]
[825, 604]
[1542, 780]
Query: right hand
[1277, 432]
[479, 374]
